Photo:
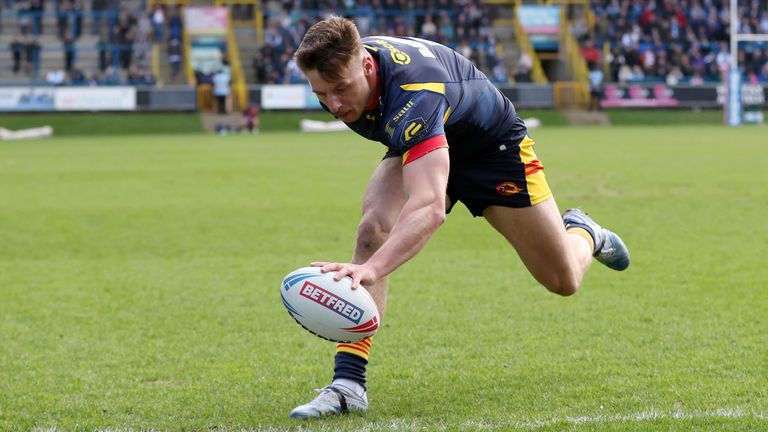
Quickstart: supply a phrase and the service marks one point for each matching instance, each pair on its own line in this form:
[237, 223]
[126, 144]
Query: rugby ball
[327, 308]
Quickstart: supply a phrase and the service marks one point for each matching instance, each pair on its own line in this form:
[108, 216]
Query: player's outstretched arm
[424, 180]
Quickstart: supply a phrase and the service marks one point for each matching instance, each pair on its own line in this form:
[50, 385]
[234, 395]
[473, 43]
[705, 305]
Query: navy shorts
[507, 174]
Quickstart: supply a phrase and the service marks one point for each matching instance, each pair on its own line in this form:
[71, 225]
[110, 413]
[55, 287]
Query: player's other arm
[425, 180]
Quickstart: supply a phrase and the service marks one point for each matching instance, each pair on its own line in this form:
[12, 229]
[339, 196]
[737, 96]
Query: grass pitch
[139, 282]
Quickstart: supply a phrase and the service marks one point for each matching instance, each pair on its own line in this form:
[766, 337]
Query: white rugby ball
[328, 308]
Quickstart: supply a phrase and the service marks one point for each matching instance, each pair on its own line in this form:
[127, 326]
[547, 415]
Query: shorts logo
[508, 188]
[332, 302]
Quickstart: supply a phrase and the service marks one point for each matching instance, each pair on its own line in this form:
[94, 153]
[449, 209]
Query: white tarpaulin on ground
[321, 126]
[40, 132]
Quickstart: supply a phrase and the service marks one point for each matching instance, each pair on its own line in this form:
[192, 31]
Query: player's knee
[563, 285]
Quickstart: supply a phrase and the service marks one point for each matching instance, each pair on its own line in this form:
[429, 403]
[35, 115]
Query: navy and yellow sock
[351, 361]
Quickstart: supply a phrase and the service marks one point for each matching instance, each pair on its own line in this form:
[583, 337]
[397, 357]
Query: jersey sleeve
[416, 127]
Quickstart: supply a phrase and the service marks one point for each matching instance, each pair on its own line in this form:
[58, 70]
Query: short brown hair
[329, 46]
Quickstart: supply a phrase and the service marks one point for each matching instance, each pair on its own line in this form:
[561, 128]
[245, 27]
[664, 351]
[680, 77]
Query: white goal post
[732, 84]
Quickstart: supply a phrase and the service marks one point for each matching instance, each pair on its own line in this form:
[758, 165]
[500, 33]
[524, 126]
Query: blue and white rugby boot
[609, 248]
[333, 399]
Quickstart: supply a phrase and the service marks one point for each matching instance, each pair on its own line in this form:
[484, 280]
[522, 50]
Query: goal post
[733, 110]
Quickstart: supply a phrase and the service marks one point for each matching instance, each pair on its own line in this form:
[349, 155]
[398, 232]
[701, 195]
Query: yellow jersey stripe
[433, 87]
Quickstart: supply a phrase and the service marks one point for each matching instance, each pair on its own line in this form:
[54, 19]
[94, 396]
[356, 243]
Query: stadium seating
[463, 25]
[675, 42]
[74, 42]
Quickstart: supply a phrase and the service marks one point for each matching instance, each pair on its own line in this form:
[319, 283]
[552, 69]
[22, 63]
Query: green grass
[139, 282]
[90, 124]
[99, 124]
[656, 117]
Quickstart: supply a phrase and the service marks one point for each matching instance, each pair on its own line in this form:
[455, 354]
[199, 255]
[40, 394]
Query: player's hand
[360, 273]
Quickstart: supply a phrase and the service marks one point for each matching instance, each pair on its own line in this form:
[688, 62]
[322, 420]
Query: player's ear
[368, 66]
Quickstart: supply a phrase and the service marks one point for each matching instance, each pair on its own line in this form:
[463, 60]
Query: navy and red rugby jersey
[428, 91]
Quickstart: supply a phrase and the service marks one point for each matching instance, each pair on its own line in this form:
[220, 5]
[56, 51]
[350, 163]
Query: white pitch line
[397, 425]
[646, 416]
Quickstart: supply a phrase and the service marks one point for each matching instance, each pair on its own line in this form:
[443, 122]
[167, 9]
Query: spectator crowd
[675, 41]
[462, 24]
[672, 41]
[123, 48]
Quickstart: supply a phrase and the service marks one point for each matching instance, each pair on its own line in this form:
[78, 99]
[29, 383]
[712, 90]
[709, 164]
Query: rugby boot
[333, 399]
[609, 248]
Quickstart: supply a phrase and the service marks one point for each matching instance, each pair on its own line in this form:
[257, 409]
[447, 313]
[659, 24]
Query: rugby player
[450, 136]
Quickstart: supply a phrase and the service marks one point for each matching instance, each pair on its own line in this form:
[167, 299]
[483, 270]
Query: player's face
[346, 97]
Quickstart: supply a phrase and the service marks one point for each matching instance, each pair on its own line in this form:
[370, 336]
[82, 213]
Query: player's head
[340, 71]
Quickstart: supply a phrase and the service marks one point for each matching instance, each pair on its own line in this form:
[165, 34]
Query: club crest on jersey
[415, 129]
[332, 302]
[508, 188]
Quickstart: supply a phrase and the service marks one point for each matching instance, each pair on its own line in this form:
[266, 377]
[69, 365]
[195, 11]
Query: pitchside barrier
[299, 97]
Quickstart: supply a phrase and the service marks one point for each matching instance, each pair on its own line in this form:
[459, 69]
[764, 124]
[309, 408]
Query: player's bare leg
[557, 259]
[383, 200]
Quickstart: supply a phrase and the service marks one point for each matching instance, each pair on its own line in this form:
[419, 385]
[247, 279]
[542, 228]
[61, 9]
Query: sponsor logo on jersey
[508, 188]
[331, 302]
[402, 111]
[398, 56]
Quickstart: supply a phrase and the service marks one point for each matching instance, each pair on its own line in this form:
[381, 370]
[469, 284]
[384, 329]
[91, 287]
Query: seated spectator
[292, 74]
[590, 53]
[524, 67]
[637, 74]
[499, 73]
[697, 79]
[428, 28]
[76, 76]
[133, 76]
[109, 77]
[55, 77]
[675, 76]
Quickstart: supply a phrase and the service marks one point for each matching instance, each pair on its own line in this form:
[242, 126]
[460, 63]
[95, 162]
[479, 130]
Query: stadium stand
[101, 42]
[463, 25]
[672, 41]
[546, 53]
